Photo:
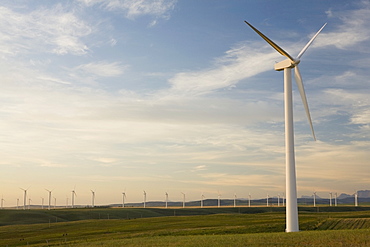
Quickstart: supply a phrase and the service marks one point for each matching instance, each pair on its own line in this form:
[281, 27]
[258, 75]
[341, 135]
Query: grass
[198, 227]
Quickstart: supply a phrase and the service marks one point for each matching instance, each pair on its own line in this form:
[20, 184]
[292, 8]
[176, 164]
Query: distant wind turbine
[55, 202]
[219, 200]
[292, 224]
[331, 197]
[123, 199]
[144, 198]
[2, 202]
[278, 200]
[335, 199]
[249, 200]
[42, 202]
[73, 197]
[234, 200]
[93, 199]
[17, 203]
[356, 199]
[267, 200]
[314, 199]
[49, 191]
[183, 200]
[166, 199]
[201, 200]
[24, 198]
[29, 203]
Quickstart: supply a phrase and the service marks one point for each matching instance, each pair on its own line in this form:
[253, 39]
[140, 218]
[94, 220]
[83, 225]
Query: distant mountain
[344, 195]
[363, 193]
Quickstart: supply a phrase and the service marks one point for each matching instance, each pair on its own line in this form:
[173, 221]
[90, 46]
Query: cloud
[102, 69]
[238, 63]
[52, 30]
[355, 28]
[136, 8]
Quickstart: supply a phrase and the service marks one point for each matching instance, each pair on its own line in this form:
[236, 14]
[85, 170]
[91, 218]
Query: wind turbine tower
[93, 198]
[278, 200]
[335, 199]
[234, 200]
[287, 65]
[183, 200]
[201, 200]
[249, 200]
[24, 198]
[2, 202]
[144, 198]
[356, 199]
[314, 199]
[29, 203]
[267, 200]
[17, 203]
[49, 198]
[331, 198]
[166, 199]
[219, 200]
[55, 202]
[42, 202]
[73, 197]
[123, 199]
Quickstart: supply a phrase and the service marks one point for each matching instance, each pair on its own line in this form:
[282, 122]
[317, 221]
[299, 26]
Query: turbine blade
[310, 42]
[275, 46]
[298, 79]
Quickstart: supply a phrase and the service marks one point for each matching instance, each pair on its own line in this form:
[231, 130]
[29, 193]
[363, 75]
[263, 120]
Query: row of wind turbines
[166, 202]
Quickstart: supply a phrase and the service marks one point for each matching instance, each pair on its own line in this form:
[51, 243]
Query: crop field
[341, 226]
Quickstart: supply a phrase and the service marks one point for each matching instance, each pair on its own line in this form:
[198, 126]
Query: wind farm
[186, 114]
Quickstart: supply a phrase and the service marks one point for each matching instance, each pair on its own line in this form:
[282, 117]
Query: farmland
[182, 227]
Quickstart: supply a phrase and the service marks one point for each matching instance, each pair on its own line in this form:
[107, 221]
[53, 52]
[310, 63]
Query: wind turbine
[55, 202]
[267, 200]
[93, 199]
[144, 198]
[73, 197]
[17, 203]
[183, 200]
[249, 200]
[234, 200]
[331, 197]
[2, 202]
[219, 199]
[314, 199]
[201, 200]
[292, 224]
[24, 198]
[123, 199]
[278, 200]
[29, 203]
[49, 197]
[166, 199]
[335, 199]
[356, 199]
[42, 202]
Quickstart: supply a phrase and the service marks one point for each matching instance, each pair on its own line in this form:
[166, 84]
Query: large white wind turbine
[287, 65]
[314, 199]
[49, 197]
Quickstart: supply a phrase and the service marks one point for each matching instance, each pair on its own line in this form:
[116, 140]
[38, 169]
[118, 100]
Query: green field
[339, 226]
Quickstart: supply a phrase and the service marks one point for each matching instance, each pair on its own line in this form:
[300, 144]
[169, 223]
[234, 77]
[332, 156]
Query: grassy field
[184, 227]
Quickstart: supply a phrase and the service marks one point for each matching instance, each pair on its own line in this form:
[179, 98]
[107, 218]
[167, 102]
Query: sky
[179, 96]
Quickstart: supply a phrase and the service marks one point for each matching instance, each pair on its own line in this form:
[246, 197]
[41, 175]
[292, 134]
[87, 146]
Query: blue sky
[179, 96]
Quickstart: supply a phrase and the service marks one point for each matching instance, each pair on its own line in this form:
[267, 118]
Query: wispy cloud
[136, 8]
[102, 69]
[52, 30]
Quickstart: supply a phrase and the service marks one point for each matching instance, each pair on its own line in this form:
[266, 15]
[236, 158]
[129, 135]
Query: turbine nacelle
[287, 63]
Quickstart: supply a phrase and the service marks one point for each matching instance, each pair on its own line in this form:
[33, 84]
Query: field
[259, 226]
